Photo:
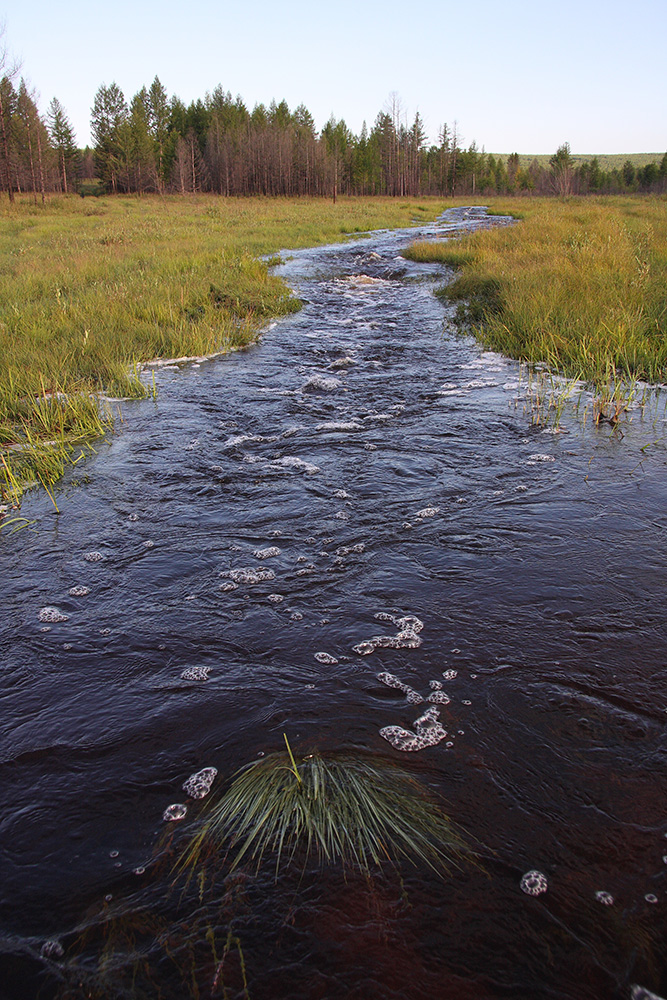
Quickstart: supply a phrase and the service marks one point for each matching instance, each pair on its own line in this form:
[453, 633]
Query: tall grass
[89, 288]
[580, 285]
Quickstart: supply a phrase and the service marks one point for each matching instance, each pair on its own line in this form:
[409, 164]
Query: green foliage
[356, 811]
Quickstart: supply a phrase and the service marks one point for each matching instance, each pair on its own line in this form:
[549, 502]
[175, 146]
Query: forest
[156, 144]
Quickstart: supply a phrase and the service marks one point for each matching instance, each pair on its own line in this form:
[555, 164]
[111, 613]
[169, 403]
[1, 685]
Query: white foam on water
[479, 383]
[414, 698]
[428, 731]
[133, 517]
[449, 675]
[427, 512]
[248, 574]
[438, 697]
[94, 557]
[267, 553]
[405, 638]
[174, 812]
[345, 550]
[238, 439]
[533, 883]
[198, 785]
[605, 898]
[410, 622]
[342, 425]
[195, 673]
[540, 458]
[52, 949]
[342, 495]
[275, 598]
[292, 462]
[326, 658]
[51, 614]
[325, 383]
[228, 586]
[78, 591]
[370, 447]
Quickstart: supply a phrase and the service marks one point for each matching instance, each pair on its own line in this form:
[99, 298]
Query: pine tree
[62, 137]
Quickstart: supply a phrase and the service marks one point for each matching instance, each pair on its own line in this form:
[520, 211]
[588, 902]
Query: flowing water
[215, 579]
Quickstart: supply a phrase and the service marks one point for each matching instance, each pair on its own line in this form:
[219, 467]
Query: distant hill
[607, 161]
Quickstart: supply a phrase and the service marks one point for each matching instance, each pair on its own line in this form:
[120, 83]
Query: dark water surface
[388, 461]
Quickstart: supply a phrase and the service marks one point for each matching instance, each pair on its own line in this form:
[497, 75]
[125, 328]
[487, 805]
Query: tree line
[156, 144]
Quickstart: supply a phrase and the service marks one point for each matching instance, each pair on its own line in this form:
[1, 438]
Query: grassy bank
[578, 284]
[91, 288]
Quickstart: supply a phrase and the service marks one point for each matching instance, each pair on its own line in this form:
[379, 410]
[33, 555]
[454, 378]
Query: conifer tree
[62, 137]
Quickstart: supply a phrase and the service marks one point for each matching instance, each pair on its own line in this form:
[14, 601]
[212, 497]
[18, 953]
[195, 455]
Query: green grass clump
[343, 809]
[89, 289]
[579, 284]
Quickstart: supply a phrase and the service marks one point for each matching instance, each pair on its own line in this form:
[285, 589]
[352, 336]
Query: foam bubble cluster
[52, 615]
[94, 557]
[323, 383]
[427, 732]
[195, 674]
[199, 784]
[605, 898]
[406, 638]
[391, 681]
[248, 575]
[267, 553]
[293, 462]
[78, 591]
[427, 512]
[174, 812]
[326, 658]
[533, 883]
[52, 949]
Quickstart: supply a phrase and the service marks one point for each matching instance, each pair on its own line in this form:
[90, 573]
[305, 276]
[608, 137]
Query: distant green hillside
[607, 161]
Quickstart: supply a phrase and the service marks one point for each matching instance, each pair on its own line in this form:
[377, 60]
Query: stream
[217, 576]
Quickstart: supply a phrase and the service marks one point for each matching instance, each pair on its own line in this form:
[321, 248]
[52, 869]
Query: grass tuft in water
[339, 808]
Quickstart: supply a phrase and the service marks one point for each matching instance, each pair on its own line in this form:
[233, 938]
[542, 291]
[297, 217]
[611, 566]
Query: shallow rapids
[351, 533]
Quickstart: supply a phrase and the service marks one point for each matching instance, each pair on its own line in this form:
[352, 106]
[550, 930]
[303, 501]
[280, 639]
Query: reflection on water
[219, 579]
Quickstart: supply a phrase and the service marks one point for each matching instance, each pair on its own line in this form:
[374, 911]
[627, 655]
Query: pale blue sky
[515, 75]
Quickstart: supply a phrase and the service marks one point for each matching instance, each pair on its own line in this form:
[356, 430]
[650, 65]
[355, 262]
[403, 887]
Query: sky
[514, 75]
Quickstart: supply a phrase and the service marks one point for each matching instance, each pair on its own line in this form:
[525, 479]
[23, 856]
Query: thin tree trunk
[41, 167]
[5, 150]
[32, 163]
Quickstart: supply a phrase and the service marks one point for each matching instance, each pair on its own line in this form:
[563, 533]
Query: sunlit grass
[89, 288]
[580, 285]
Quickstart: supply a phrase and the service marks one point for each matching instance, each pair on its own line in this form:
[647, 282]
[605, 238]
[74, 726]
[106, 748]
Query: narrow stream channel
[362, 463]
